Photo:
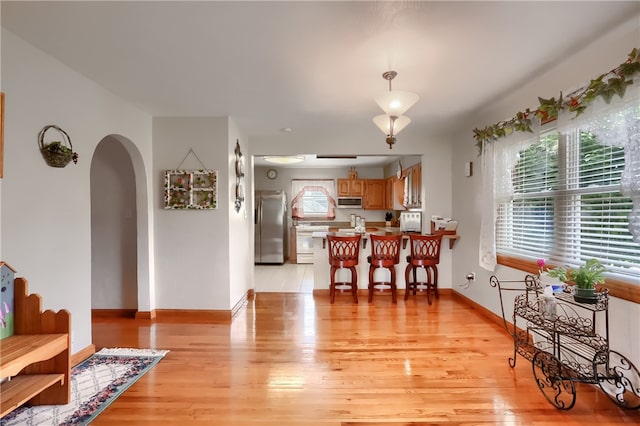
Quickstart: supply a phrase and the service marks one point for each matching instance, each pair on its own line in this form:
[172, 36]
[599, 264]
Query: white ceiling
[311, 66]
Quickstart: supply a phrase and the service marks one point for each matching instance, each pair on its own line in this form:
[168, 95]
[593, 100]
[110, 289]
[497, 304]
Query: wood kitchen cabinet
[350, 187]
[414, 174]
[411, 183]
[374, 194]
[394, 193]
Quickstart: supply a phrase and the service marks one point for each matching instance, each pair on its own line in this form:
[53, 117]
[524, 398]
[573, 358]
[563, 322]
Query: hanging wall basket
[57, 153]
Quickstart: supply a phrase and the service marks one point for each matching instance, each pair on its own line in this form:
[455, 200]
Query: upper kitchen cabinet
[374, 194]
[394, 193]
[414, 186]
[405, 192]
[350, 188]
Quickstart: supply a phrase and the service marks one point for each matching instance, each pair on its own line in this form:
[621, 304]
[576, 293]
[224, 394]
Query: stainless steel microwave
[349, 202]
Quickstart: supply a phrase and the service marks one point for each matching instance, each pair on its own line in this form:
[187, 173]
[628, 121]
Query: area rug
[95, 383]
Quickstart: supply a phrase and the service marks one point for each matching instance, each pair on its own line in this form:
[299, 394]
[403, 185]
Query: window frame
[299, 189]
[621, 286]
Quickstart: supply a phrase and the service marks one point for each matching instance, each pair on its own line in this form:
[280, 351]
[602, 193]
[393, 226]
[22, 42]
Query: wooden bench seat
[36, 358]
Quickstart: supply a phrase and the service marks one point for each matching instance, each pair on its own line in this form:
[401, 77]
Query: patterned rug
[95, 383]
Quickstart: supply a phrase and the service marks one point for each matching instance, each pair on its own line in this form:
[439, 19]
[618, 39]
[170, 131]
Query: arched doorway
[120, 254]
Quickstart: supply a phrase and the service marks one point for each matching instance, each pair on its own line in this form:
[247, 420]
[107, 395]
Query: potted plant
[388, 216]
[585, 279]
[57, 153]
[547, 279]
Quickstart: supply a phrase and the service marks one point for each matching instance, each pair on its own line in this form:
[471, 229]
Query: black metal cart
[566, 343]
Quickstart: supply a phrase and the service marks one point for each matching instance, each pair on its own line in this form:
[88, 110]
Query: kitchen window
[313, 199]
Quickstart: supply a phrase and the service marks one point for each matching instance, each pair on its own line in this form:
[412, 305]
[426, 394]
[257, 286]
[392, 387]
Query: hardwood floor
[294, 359]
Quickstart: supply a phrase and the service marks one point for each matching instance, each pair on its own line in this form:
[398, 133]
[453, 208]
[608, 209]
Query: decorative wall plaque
[191, 189]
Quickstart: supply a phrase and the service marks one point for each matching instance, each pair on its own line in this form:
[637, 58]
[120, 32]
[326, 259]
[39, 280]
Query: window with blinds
[567, 206]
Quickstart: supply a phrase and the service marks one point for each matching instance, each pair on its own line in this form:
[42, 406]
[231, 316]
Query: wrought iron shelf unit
[567, 342]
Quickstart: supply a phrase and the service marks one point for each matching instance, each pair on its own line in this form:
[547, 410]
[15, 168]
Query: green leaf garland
[606, 86]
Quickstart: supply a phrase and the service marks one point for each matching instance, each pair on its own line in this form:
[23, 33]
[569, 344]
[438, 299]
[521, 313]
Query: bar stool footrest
[343, 286]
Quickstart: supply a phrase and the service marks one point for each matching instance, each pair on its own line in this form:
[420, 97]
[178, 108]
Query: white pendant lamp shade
[396, 102]
[383, 122]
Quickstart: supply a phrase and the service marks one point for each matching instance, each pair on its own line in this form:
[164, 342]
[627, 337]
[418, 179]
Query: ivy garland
[616, 83]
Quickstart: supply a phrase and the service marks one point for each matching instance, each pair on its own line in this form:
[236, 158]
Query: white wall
[192, 246]
[601, 56]
[46, 212]
[240, 234]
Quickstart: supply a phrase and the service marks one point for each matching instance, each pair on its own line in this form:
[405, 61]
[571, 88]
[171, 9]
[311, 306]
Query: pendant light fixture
[394, 103]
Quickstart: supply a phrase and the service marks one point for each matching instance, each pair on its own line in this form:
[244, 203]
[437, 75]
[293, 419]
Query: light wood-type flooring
[295, 359]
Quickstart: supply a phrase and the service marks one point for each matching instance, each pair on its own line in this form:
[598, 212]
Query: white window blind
[567, 206]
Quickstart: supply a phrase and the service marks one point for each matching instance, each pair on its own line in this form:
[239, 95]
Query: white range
[304, 241]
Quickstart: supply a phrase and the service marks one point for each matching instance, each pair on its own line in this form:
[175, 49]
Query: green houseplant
[388, 217]
[585, 279]
[57, 153]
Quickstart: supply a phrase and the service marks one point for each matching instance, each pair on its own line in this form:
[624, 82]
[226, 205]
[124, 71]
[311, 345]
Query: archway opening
[114, 228]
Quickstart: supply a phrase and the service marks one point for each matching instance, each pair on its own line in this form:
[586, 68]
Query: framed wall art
[191, 189]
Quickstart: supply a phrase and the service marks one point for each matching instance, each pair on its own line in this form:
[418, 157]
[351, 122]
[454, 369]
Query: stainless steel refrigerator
[270, 231]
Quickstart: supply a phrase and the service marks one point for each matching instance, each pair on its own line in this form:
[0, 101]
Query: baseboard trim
[81, 355]
[145, 315]
[204, 315]
[113, 313]
[244, 300]
[193, 315]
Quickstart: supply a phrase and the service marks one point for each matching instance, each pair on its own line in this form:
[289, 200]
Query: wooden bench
[36, 357]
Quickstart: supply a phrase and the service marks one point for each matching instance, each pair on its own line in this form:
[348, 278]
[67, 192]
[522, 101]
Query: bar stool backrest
[385, 249]
[425, 249]
[343, 250]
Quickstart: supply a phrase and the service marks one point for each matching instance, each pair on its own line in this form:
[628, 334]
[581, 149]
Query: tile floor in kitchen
[287, 278]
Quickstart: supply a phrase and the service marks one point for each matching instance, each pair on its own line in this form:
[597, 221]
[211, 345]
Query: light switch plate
[468, 168]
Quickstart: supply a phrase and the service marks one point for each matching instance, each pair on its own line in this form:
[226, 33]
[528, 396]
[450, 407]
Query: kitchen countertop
[369, 230]
[365, 236]
[340, 225]
[377, 230]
